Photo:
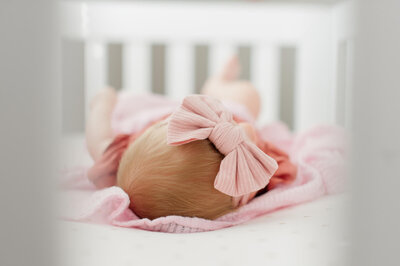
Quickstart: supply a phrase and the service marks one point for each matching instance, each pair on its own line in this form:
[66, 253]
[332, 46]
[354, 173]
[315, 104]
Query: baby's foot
[226, 87]
[230, 71]
[227, 76]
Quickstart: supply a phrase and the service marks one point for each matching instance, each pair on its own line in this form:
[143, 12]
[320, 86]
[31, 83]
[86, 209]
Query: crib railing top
[194, 22]
[318, 34]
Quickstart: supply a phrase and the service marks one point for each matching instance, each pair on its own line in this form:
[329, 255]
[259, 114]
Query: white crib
[319, 38]
[315, 88]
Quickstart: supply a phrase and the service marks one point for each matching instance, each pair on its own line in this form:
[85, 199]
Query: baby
[203, 160]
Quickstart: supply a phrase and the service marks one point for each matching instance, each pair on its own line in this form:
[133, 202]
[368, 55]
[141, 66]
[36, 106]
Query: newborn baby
[202, 160]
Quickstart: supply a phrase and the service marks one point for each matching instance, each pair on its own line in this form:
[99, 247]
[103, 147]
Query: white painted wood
[95, 69]
[180, 70]
[219, 55]
[198, 21]
[341, 82]
[314, 101]
[265, 74]
[313, 28]
[73, 19]
[375, 143]
[349, 83]
[312, 92]
[343, 32]
[343, 20]
[136, 67]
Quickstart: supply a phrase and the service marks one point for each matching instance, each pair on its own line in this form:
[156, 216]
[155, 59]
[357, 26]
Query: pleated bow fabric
[245, 168]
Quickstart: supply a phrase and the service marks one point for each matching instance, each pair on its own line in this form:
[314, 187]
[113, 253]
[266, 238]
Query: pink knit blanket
[319, 154]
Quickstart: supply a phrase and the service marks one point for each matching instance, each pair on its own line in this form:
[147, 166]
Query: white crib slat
[220, 53]
[95, 69]
[349, 81]
[314, 103]
[180, 70]
[341, 81]
[344, 84]
[307, 112]
[265, 75]
[136, 67]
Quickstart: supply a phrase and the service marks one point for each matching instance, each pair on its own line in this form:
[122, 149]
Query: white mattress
[310, 234]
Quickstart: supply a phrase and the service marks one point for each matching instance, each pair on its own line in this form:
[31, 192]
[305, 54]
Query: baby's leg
[98, 125]
[225, 86]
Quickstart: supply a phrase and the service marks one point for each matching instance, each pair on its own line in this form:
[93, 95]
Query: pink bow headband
[245, 168]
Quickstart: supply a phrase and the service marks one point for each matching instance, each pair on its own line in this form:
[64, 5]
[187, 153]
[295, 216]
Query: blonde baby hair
[166, 180]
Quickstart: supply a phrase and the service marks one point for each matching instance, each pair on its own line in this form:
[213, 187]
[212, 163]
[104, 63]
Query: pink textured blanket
[318, 152]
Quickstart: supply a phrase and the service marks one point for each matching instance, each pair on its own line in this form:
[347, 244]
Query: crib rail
[318, 35]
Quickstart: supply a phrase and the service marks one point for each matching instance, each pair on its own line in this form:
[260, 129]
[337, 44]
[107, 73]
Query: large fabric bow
[245, 168]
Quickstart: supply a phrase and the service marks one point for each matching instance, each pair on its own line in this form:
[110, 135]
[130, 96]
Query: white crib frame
[322, 35]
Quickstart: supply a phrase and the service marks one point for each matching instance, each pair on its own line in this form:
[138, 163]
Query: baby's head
[166, 180]
[199, 163]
